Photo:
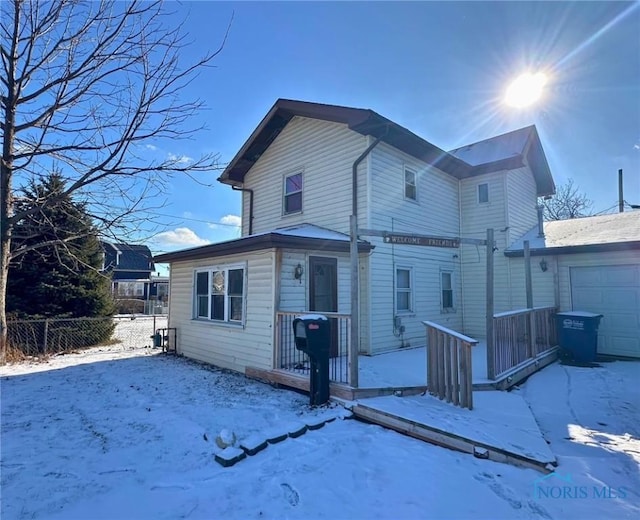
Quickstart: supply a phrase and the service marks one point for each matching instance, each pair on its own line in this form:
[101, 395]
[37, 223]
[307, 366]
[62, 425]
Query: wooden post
[456, 368]
[556, 283]
[489, 322]
[529, 328]
[354, 344]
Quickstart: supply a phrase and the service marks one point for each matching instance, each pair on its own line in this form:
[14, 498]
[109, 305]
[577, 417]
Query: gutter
[570, 250]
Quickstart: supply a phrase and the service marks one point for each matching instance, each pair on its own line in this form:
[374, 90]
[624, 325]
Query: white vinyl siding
[226, 345]
[476, 218]
[436, 213]
[521, 203]
[325, 152]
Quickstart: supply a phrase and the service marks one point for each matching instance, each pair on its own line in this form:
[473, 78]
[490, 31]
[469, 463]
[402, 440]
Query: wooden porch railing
[519, 336]
[288, 358]
[449, 368]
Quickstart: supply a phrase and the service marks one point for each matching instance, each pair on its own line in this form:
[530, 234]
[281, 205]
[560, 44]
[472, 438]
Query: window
[446, 288]
[404, 299]
[219, 294]
[131, 289]
[293, 193]
[410, 187]
[483, 193]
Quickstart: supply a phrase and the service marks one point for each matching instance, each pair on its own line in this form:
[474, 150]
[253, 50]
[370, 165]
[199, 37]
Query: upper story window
[404, 292]
[446, 288]
[483, 193]
[410, 185]
[219, 294]
[293, 193]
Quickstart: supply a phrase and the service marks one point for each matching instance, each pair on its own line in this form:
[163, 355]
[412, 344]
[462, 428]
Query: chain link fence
[52, 336]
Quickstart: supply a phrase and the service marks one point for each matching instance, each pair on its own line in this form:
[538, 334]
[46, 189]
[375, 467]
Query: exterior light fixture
[543, 265]
[298, 272]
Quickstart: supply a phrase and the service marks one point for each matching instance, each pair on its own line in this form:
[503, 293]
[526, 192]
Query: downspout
[354, 349]
[250, 192]
[354, 172]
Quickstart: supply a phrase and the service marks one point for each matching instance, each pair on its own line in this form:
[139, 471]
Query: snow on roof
[311, 231]
[497, 148]
[602, 229]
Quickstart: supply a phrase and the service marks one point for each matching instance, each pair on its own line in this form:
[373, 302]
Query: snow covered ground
[113, 433]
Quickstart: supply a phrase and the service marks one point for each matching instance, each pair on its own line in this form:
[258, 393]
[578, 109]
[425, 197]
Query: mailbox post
[311, 333]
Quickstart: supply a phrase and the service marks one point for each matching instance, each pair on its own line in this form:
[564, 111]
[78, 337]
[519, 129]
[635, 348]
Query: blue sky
[437, 68]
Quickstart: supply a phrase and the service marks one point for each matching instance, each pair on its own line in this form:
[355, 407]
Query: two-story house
[130, 267]
[303, 172]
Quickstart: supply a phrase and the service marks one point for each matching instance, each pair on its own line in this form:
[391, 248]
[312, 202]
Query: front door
[323, 292]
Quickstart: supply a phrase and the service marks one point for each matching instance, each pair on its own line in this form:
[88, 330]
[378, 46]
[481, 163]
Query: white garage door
[614, 292]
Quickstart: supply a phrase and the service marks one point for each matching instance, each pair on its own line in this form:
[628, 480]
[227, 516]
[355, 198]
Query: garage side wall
[222, 344]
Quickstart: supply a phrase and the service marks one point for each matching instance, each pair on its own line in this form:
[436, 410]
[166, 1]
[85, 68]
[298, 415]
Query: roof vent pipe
[540, 209]
[620, 194]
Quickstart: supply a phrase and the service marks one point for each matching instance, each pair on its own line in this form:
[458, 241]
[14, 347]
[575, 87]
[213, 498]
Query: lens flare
[526, 89]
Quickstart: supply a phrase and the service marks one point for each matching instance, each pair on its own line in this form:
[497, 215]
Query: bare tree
[568, 202]
[88, 88]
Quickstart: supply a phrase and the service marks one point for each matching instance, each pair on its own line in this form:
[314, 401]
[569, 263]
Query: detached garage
[596, 267]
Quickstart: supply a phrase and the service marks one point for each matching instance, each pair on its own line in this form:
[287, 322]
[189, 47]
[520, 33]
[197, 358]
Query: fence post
[46, 337]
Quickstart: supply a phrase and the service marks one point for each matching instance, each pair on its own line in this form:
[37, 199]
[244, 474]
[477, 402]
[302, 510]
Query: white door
[614, 292]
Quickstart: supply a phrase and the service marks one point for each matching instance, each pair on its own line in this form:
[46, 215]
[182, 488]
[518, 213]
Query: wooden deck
[346, 392]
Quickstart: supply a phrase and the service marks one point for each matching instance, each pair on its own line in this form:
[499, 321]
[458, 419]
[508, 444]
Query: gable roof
[508, 151]
[618, 231]
[302, 236]
[132, 257]
[368, 122]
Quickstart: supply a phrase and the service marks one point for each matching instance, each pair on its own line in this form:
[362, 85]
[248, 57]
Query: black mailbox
[311, 333]
[312, 336]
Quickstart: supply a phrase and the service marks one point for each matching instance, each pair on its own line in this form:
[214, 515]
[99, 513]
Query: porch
[450, 365]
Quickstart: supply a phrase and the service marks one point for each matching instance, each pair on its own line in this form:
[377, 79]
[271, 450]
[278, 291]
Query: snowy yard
[113, 433]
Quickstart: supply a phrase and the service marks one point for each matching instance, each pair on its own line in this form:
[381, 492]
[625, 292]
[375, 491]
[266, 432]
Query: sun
[526, 89]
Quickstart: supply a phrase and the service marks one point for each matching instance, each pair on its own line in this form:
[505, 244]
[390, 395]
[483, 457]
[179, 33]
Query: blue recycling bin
[578, 335]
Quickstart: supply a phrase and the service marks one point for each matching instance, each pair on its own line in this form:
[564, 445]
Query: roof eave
[572, 250]
[258, 242]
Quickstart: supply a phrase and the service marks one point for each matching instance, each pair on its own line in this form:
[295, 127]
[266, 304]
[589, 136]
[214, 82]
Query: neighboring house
[595, 262]
[295, 171]
[130, 267]
[159, 288]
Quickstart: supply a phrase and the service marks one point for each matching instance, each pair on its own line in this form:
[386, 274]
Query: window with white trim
[483, 193]
[410, 184]
[219, 294]
[446, 290]
[404, 291]
[293, 193]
